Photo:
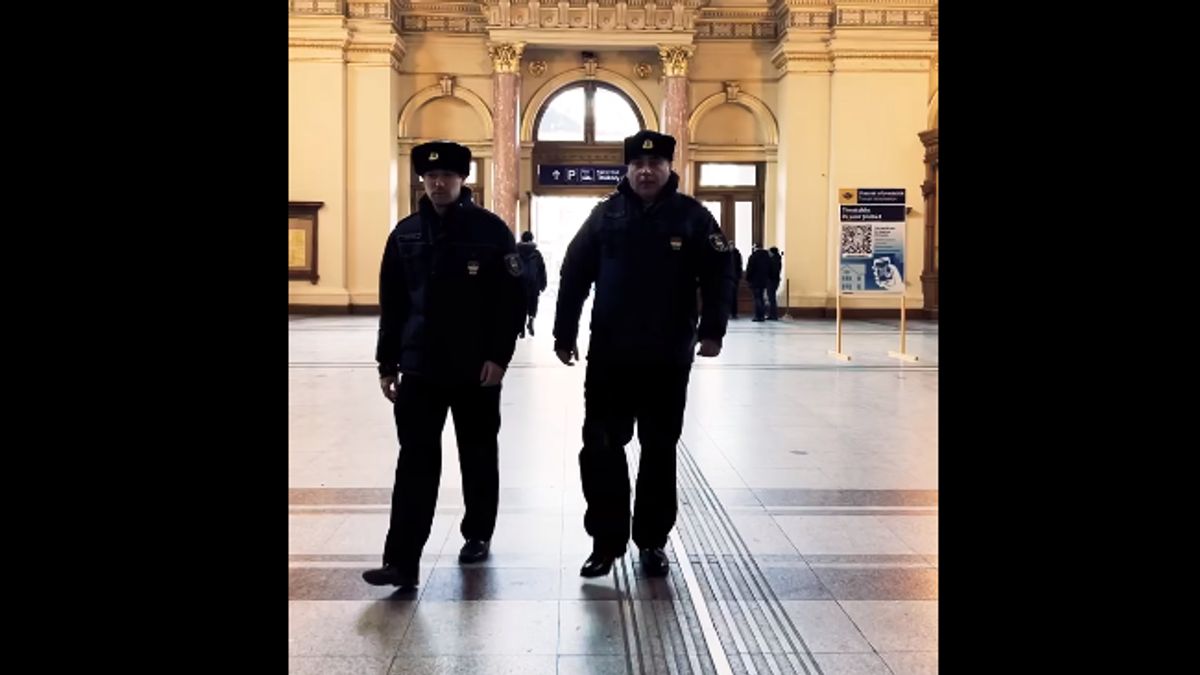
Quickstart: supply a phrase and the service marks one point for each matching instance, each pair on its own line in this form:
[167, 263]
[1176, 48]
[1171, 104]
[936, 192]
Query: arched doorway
[735, 140]
[438, 112]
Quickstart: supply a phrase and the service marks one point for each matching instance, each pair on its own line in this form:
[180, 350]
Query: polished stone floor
[811, 529]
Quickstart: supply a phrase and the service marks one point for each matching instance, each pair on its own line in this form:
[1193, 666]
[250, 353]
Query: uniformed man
[647, 248]
[451, 303]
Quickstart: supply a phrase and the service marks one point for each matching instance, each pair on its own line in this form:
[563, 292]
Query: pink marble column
[506, 89]
[676, 106]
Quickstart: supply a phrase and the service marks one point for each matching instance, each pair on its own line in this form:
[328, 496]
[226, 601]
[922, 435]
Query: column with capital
[675, 59]
[506, 89]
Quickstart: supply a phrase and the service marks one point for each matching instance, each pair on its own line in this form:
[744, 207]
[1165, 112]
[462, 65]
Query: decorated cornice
[592, 15]
[506, 18]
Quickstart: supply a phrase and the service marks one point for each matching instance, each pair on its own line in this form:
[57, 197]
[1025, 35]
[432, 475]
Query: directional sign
[574, 174]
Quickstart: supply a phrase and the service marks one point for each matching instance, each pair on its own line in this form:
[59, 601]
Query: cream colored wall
[881, 147]
[749, 65]
[429, 58]
[371, 156]
[447, 117]
[932, 122]
[876, 119]
[317, 171]
[856, 127]
[465, 56]
[343, 150]
[728, 124]
[802, 190]
[719, 60]
[398, 163]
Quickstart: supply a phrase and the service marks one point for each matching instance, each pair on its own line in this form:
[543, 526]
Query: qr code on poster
[856, 240]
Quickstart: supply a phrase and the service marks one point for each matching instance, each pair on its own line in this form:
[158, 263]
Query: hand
[491, 374]
[388, 385]
[565, 355]
[709, 348]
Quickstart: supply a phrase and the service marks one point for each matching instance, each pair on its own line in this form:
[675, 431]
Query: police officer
[451, 303]
[647, 248]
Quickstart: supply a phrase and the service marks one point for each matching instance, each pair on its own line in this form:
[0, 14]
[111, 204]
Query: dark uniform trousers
[420, 410]
[614, 397]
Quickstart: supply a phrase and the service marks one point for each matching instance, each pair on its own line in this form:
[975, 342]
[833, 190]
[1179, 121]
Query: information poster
[871, 250]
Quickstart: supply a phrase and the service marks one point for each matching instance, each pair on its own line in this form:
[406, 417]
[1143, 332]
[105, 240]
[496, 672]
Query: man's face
[443, 187]
[648, 175]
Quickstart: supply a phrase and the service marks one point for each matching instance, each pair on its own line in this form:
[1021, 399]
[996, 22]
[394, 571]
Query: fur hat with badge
[443, 156]
[649, 143]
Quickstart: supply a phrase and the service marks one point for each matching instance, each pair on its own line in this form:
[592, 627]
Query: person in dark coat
[773, 282]
[648, 249]
[737, 280]
[533, 274]
[758, 277]
[451, 304]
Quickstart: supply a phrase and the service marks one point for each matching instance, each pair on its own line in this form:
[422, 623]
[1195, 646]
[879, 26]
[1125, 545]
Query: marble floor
[809, 517]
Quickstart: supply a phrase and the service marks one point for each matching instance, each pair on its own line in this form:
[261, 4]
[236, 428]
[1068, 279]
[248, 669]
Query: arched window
[588, 112]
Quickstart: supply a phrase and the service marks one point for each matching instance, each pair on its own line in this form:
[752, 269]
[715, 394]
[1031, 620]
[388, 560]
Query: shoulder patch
[718, 241]
[512, 263]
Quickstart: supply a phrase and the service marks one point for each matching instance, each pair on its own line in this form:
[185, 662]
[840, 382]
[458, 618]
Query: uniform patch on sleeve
[512, 262]
[718, 241]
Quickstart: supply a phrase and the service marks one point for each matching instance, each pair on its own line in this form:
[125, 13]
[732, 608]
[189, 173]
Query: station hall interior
[807, 470]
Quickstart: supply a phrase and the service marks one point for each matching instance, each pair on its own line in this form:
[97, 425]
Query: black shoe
[391, 575]
[475, 550]
[654, 562]
[530, 326]
[597, 565]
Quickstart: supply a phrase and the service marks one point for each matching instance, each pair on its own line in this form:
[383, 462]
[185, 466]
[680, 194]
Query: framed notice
[871, 251]
[302, 240]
